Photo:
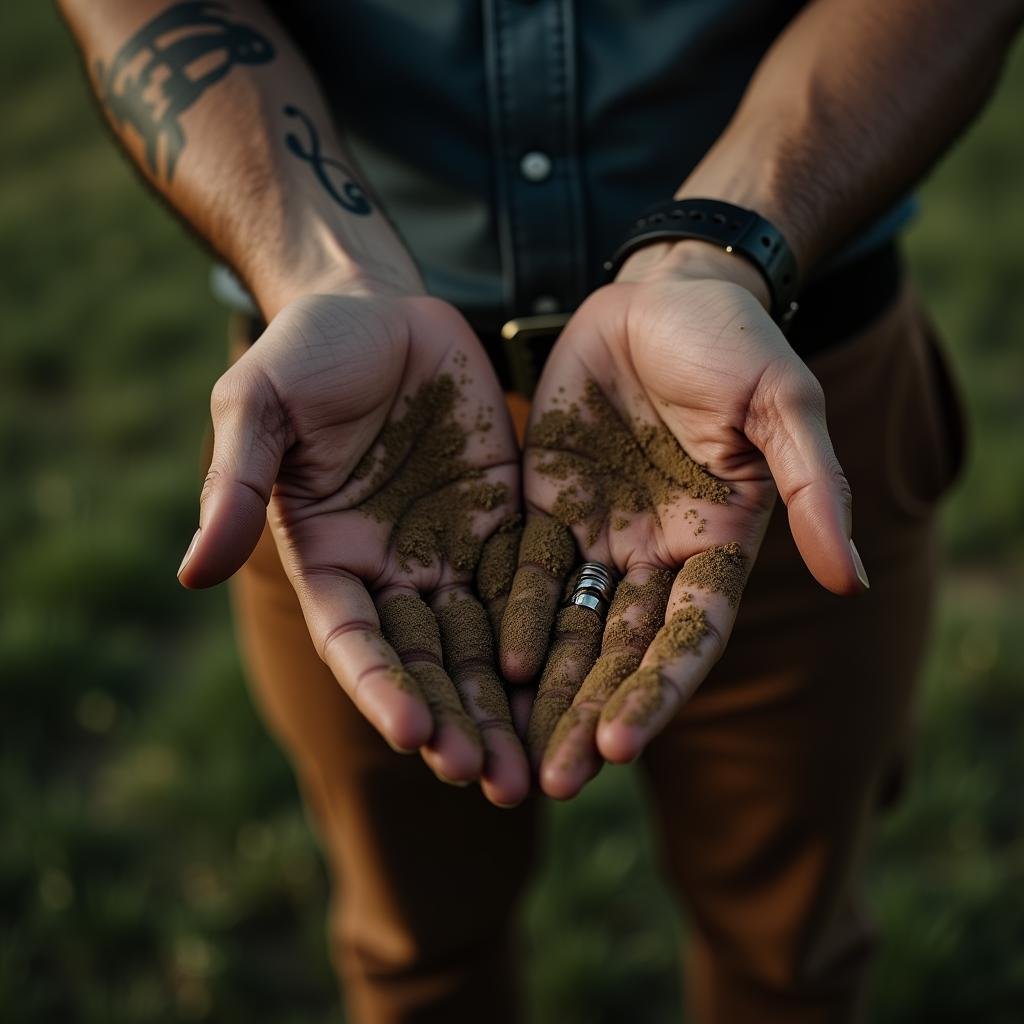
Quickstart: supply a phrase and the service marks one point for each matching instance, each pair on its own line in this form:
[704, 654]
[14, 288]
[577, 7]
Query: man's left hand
[669, 415]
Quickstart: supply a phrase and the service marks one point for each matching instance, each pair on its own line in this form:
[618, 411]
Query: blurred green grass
[155, 864]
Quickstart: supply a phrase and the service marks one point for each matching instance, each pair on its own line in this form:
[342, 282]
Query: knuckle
[803, 393]
[226, 395]
[714, 642]
[470, 667]
[327, 638]
[210, 481]
[250, 396]
[555, 693]
[495, 725]
[785, 395]
[841, 485]
[783, 390]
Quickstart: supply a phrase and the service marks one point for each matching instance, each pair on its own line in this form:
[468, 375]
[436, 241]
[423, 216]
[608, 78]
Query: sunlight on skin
[725, 389]
[384, 451]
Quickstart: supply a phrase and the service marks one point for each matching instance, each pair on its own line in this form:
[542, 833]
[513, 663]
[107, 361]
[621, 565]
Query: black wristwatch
[735, 229]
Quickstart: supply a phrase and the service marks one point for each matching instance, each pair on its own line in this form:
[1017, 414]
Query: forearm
[222, 116]
[850, 107]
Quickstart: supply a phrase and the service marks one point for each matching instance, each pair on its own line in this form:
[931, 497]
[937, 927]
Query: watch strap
[732, 228]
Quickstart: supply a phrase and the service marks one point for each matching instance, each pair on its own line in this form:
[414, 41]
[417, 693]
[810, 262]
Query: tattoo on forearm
[166, 66]
[346, 193]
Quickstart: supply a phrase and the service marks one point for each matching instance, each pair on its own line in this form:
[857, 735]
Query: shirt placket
[530, 52]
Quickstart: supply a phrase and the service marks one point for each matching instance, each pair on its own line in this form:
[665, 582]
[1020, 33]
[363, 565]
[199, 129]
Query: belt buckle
[519, 335]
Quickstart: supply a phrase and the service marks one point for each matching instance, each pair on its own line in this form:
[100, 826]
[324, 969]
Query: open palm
[374, 433]
[666, 420]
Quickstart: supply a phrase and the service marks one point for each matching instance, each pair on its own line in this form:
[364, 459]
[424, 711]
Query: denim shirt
[512, 141]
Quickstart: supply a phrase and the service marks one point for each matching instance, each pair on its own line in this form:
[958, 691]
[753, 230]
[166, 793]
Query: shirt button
[535, 166]
[545, 304]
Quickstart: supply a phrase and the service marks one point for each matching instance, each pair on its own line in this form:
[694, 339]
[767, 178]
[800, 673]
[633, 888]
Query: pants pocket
[926, 435]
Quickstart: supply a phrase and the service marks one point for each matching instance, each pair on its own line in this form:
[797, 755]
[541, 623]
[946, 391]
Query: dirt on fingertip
[412, 630]
[578, 636]
[643, 694]
[721, 570]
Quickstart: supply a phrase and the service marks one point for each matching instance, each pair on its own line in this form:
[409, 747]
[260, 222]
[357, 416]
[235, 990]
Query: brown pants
[764, 785]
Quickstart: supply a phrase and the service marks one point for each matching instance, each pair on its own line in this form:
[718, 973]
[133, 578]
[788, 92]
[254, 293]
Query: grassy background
[154, 863]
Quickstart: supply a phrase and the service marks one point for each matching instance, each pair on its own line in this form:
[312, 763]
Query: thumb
[786, 421]
[249, 441]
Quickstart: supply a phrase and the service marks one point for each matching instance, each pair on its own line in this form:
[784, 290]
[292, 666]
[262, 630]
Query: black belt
[833, 309]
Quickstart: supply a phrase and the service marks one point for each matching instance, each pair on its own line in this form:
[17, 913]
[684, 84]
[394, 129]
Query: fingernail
[188, 553]
[859, 565]
[461, 783]
[399, 749]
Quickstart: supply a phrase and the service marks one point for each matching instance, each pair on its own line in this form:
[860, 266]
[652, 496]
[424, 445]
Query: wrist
[357, 280]
[692, 260]
[320, 262]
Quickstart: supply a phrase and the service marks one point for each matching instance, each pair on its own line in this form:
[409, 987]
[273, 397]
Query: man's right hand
[376, 432]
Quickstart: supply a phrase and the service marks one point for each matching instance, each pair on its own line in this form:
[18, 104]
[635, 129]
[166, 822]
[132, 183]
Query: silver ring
[593, 588]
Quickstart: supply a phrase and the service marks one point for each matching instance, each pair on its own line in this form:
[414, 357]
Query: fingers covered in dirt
[637, 611]
[699, 618]
[546, 555]
[454, 750]
[497, 569]
[469, 656]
